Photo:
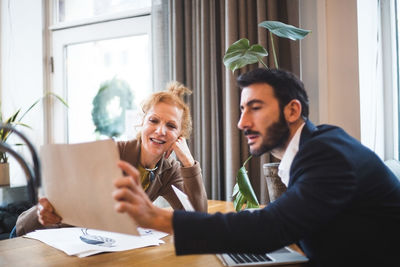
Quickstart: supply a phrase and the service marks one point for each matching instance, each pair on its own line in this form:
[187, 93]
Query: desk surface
[28, 252]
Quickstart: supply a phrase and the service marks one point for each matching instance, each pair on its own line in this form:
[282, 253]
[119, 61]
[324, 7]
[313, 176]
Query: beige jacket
[169, 172]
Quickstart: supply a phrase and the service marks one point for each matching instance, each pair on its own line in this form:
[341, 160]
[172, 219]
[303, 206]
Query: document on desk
[183, 198]
[78, 181]
[83, 242]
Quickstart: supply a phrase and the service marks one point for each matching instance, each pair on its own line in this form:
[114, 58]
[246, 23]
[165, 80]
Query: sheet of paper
[183, 198]
[83, 242]
[78, 181]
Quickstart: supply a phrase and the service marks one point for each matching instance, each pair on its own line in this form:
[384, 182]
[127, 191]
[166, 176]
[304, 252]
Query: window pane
[70, 10]
[90, 65]
[397, 13]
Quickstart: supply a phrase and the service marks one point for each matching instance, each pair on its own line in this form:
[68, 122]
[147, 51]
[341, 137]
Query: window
[397, 81]
[21, 77]
[378, 33]
[92, 45]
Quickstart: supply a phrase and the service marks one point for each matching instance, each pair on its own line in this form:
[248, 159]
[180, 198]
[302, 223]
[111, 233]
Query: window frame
[62, 35]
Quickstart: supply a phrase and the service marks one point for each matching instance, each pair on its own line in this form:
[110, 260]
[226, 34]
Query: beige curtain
[199, 32]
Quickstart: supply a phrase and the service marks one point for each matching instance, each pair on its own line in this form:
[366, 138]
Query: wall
[330, 62]
[26, 56]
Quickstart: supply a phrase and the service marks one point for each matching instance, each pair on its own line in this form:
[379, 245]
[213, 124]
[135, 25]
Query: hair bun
[178, 89]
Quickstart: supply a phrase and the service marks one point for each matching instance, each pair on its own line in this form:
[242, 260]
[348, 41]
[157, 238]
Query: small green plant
[243, 193]
[16, 120]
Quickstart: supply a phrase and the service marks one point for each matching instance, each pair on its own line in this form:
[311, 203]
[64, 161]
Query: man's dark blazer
[342, 206]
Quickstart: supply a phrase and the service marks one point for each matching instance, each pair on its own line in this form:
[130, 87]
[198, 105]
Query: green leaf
[38, 100]
[251, 205]
[13, 117]
[284, 30]
[245, 186]
[240, 54]
[243, 192]
[235, 190]
[58, 97]
[15, 120]
[239, 202]
[236, 201]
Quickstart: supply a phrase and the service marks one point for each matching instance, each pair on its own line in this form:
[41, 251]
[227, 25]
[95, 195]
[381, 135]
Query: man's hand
[45, 212]
[133, 200]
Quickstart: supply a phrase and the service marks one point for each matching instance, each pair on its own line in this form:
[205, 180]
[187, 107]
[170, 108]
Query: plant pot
[275, 186]
[4, 174]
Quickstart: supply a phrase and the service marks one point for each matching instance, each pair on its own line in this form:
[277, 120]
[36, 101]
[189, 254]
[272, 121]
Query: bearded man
[342, 205]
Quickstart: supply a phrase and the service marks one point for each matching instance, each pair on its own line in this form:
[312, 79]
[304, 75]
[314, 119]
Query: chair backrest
[394, 166]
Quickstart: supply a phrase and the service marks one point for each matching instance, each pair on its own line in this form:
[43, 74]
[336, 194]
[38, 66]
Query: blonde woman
[165, 126]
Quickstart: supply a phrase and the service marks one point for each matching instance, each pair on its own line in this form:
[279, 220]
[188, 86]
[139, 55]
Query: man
[342, 205]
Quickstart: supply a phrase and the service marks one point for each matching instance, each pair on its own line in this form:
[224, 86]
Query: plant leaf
[13, 117]
[245, 186]
[240, 54]
[58, 97]
[284, 30]
[41, 98]
[236, 201]
[239, 201]
[235, 190]
[243, 192]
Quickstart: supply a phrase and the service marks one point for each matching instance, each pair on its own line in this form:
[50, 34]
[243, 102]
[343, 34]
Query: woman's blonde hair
[173, 95]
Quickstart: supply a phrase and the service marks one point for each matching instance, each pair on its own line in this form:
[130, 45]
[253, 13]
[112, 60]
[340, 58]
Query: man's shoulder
[331, 132]
[330, 137]
[322, 133]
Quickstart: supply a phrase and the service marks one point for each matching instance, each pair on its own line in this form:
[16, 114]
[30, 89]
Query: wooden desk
[28, 252]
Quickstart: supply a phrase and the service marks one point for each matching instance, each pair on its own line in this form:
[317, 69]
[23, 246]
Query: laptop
[281, 256]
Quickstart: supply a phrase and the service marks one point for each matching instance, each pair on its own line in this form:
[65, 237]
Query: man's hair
[285, 84]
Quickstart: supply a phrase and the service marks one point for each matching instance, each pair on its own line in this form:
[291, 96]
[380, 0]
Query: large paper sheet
[83, 242]
[78, 181]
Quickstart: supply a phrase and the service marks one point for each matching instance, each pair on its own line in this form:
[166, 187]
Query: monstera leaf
[284, 30]
[243, 193]
[240, 53]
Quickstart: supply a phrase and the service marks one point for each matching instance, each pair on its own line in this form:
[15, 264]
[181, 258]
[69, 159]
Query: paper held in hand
[78, 181]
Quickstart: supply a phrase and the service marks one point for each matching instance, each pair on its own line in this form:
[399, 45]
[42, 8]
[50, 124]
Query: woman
[165, 126]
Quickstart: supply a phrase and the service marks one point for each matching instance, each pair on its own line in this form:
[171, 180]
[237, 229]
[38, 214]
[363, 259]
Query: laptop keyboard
[248, 257]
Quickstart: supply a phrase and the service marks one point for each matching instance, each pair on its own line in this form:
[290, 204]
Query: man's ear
[292, 111]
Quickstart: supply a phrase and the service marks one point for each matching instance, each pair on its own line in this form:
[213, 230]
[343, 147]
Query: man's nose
[244, 121]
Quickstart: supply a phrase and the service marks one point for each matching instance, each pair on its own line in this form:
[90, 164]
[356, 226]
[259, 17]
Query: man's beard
[276, 136]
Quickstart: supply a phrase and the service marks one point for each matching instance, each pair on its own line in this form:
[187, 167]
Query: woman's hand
[182, 152]
[45, 212]
[131, 199]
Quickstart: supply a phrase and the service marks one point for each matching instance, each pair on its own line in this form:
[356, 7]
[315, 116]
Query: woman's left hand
[182, 152]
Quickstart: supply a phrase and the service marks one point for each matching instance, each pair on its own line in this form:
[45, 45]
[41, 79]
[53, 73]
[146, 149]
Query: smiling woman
[165, 126]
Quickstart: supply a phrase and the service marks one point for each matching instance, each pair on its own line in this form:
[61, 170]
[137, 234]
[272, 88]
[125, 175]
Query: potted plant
[15, 120]
[238, 55]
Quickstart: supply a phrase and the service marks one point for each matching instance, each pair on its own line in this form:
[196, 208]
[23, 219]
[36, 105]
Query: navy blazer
[342, 206]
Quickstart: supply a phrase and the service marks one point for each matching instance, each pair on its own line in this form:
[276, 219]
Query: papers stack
[83, 242]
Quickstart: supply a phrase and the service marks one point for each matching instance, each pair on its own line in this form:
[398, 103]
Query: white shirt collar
[287, 156]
